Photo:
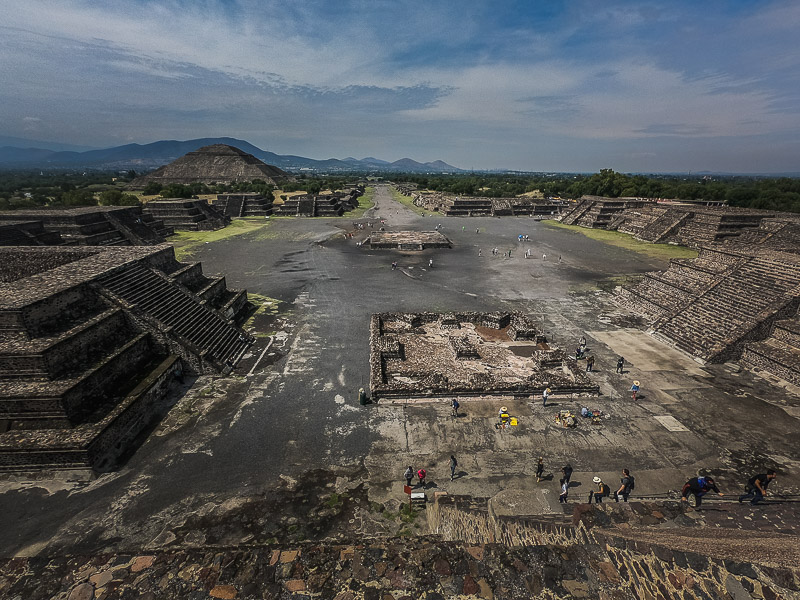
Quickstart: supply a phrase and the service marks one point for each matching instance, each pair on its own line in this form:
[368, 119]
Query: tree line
[769, 193]
[19, 189]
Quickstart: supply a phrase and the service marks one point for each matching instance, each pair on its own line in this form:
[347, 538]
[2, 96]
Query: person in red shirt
[421, 474]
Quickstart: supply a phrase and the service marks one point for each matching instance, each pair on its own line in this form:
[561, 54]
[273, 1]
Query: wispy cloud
[476, 82]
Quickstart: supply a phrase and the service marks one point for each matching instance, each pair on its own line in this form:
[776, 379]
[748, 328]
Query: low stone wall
[134, 412]
[432, 384]
[644, 562]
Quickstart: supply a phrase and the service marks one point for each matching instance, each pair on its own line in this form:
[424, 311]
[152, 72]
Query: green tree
[177, 190]
[152, 188]
[78, 198]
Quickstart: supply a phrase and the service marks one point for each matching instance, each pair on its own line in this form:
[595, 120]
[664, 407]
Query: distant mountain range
[150, 156]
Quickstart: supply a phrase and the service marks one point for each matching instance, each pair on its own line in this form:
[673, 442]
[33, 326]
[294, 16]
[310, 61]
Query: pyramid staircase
[734, 309]
[779, 354]
[166, 308]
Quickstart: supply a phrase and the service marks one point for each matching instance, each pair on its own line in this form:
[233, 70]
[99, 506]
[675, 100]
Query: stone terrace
[598, 212]
[689, 224]
[466, 354]
[243, 205]
[778, 354]
[27, 233]
[712, 306]
[93, 226]
[477, 206]
[82, 330]
[320, 205]
[183, 214]
[408, 240]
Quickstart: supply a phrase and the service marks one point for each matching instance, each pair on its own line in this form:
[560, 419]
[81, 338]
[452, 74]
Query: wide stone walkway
[239, 455]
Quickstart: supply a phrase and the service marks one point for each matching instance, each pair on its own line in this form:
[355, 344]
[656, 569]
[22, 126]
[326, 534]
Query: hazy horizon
[531, 86]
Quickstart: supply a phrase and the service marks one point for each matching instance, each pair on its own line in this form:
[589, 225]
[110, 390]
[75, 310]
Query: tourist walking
[454, 405]
[620, 365]
[698, 487]
[589, 364]
[626, 486]
[430, 263]
[409, 475]
[545, 396]
[453, 465]
[756, 487]
[539, 469]
[566, 471]
[479, 253]
[634, 389]
[421, 475]
[602, 491]
[562, 498]
[583, 342]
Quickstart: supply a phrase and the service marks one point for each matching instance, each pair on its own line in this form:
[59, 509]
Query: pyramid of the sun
[218, 163]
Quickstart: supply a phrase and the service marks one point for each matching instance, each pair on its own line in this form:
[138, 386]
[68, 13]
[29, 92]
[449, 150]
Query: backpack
[632, 483]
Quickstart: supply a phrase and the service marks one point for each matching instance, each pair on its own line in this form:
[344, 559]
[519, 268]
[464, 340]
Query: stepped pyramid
[218, 163]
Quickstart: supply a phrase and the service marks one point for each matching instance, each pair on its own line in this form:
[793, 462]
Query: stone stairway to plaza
[779, 354]
[739, 307]
[243, 204]
[572, 216]
[466, 207]
[153, 296]
[186, 214]
[663, 226]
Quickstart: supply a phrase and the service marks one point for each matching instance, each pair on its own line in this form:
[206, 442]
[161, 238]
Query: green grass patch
[365, 202]
[187, 242]
[266, 306]
[628, 242]
[406, 201]
[408, 514]
[334, 500]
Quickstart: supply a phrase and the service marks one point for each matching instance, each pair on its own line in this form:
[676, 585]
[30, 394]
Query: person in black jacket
[626, 486]
[756, 487]
[567, 472]
[698, 487]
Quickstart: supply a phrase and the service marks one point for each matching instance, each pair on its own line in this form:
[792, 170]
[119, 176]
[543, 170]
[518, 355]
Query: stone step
[168, 304]
[774, 357]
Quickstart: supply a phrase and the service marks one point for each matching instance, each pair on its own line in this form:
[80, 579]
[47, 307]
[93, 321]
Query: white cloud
[329, 73]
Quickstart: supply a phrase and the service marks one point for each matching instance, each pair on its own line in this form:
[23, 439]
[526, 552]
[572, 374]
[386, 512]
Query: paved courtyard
[234, 461]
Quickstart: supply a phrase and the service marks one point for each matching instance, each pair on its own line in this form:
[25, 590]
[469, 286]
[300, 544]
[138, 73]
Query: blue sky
[531, 85]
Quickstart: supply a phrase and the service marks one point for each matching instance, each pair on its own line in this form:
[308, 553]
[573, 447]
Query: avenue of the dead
[286, 451]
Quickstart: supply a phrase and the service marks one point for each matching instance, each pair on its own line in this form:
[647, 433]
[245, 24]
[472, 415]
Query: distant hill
[150, 156]
[17, 142]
